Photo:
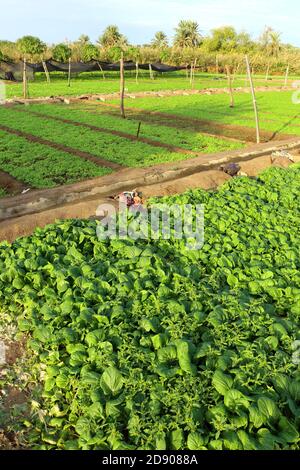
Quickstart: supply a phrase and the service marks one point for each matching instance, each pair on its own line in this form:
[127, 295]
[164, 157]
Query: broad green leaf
[268, 408]
[177, 439]
[195, 441]
[83, 428]
[111, 381]
[222, 382]
[234, 399]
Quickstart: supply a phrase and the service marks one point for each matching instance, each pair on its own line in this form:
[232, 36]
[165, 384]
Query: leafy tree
[187, 34]
[160, 40]
[89, 52]
[222, 39]
[61, 53]
[112, 37]
[31, 46]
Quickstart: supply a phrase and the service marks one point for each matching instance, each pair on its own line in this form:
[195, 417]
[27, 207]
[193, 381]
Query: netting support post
[122, 86]
[254, 100]
[25, 89]
[100, 67]
[136, 72]
[286, 75]
[230, 86]
[46, 71]
[69, 74]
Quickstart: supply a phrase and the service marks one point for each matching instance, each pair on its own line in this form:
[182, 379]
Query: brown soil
[14, 397]
[124, 135]
[78, 153]
[181, 92]
[14, 351]
[241, 133]
[10, 184]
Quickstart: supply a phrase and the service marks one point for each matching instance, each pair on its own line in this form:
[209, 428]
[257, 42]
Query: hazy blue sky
[56, 20]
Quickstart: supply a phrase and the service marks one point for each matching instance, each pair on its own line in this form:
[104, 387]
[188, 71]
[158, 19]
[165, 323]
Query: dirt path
[78, 153]
[143, 94]
[184, 92]
[125, 135]
[11, 184]
[241, 133]
[88, 207]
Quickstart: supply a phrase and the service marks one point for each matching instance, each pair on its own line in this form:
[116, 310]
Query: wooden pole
[236, 72]
[267, 74]
[139, 130]
[193, 74]
[230, 86]
[99, 65]
[217, 65]
[69, 74]
[286, 75]
[25, 89]
[122, 86]
[151, 72]
[254, 100]
[46, 71]
[136, 72]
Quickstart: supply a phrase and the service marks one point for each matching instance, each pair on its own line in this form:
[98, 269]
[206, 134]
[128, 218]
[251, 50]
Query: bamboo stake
[136, 72]
[236, 72]
[99, 65]
[286, 75]
[254, 100]
[69, 74]
[230, 86]
[193, 74]
[151, 72]
[139, 130]
[267, 74]
[25, 88]
[122, 86]
[46, 71]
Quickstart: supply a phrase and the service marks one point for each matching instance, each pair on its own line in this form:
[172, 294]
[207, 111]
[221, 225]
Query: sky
[57, 20]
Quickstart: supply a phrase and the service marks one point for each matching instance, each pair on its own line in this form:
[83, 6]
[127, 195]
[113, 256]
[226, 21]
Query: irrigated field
[146, 344]
[94, 83]
[46, 145]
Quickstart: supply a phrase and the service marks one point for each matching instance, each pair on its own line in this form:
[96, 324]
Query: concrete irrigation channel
[21, 214]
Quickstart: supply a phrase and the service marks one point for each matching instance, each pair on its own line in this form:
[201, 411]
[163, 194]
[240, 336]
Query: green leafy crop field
[40, 166]
[277, 111]
[148, 345]
[107, 146]
[98, 116]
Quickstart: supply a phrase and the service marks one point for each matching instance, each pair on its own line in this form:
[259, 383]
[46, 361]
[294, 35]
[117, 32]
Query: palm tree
[112, 37]
[270, 41]
[83, 40]
[160, 40]
[187, 34]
